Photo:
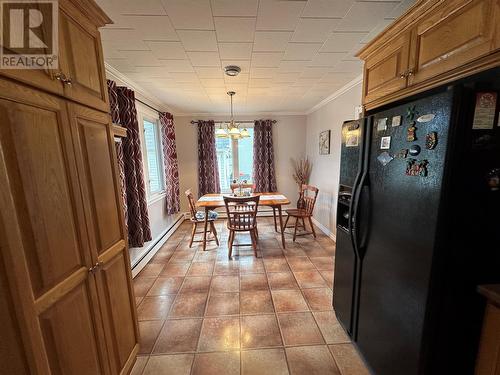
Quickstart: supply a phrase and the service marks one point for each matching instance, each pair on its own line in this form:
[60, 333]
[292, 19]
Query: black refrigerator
[418, 228]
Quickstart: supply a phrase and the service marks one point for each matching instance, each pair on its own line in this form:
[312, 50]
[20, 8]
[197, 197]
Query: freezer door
[403, 213]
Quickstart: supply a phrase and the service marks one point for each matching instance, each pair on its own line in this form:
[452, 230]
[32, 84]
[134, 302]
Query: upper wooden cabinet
[385, 72]
[80, 75]
[434, 42]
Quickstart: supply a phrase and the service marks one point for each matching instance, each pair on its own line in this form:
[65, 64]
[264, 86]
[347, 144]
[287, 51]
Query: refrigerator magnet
[411, 135]
[431, 141]
[352, 139]
[416, 168]
[484, 112]
[415, 150]
[401, 154]
[385, 143]
[382, 124]
[396, 121]
[426, 118]
[384, 158]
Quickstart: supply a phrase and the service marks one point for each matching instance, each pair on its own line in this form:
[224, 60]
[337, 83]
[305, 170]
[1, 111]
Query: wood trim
[92, 11]
[477, 66]
[108, 254]
[127, 368]
[402, 24]
[119, 131]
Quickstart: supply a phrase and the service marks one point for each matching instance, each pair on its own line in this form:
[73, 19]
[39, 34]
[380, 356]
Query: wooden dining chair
[198, 217]
[304, 210]
[242, 217]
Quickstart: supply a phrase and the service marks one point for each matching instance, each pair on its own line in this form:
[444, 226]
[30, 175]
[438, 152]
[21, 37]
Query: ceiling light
[233, 130]
[244, 133]
[232, 70]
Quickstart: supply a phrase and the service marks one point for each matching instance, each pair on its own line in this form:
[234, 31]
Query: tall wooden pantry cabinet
[67, 303]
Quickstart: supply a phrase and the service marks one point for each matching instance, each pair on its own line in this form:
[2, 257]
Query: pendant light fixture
[232, 129]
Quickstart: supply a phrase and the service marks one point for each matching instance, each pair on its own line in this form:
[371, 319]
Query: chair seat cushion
[297, 212]
[212, 215]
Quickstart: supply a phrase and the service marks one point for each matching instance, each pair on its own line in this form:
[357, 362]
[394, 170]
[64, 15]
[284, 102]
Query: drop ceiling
[293, 54]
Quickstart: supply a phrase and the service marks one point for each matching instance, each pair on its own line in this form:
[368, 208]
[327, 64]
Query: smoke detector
[232, 70]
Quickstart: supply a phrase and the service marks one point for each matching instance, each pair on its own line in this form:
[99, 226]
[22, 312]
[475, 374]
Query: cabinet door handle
[410, 72]
[95, 267]
[403, 75]
[60, 76]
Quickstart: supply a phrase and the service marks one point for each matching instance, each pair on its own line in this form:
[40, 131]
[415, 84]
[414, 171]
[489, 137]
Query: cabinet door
[385, 69]
[455, 33]
[103, 203]
[82, 60]
[43, 236]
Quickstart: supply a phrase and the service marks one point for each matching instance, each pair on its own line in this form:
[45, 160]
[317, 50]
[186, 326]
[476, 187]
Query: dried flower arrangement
[301, 170]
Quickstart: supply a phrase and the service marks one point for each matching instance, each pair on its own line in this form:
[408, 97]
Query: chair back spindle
[241, 213]
[192, 203]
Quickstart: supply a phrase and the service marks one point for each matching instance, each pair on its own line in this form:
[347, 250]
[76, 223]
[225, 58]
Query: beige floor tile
[330, 328]
[165, 285]
[201, 269]
[196, 284]
[299, 329]
[155, 308]
[256, 302]
[189, 305]
[255, 281]
[139, 365]
[220, 334]
[311, 360]
[348, 360]
[264, 362]
[225, 283]
[148, 333]
[151, 270]
[175, 269]
[173, 364]
[319, 299]
[178, 336]
[225, 363]
[223, 304]
[282, 280]
[260, 331]
[142, 285]
[289, 300]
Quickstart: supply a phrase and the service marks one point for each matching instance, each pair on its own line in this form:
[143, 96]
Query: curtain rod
[195, 122]
[147, 105]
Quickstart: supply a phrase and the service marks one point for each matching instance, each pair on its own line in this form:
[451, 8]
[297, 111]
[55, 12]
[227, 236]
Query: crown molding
[241, 114]
[336, 94]
[140, 92]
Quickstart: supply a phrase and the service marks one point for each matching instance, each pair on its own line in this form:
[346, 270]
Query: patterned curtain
[208, 171]
[173, 204]
[264, 176]
[114, 112]
[139, 230]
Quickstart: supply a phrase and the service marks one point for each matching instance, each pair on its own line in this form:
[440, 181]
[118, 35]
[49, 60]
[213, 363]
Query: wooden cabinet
[455, 34]
[435, 42]
[385, 71]
[488, 358]
[65, 278]
[80, 75]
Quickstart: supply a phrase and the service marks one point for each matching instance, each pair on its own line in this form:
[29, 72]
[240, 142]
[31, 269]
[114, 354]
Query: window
[153, 166]
[235, 160]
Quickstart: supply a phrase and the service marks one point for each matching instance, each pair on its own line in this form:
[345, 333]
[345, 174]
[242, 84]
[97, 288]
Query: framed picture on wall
[324, 142]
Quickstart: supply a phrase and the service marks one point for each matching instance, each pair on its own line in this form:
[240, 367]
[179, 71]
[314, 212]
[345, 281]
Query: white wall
[325, 170]
[289, 134]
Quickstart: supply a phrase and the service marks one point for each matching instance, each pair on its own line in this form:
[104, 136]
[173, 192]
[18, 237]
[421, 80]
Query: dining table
[274, 200]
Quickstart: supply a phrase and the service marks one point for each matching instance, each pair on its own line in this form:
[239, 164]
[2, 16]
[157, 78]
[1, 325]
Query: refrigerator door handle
[355, 212]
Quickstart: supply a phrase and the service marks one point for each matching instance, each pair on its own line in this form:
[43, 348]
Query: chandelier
[231, 129]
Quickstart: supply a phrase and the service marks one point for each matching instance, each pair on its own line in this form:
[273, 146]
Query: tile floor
[202, 313]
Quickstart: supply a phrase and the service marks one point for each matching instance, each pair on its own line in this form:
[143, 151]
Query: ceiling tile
[327, 8]
[184, 77]
[314, 29]
[326, 59]
[266, 59]
[204, 58]
[123, 65]
[181, 66]
[271, 41]
[258, 83]
[279, 15]
[241, 78]
[285, 77]
[292, 66]
[236, 51]
[263, 72]
[235, 7]
[401, 8]
[189, 14]
[348, 66]
[234, 29]
[314, 72]
[339, 78]
[377, 30]
[213, 82]
[301, 51]
[342, 42]
[167, 50]
[149, 7]
[196, 40]
[152, 27]
[141, 58]
[209, 72]
[155, 71]
[364, 16]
